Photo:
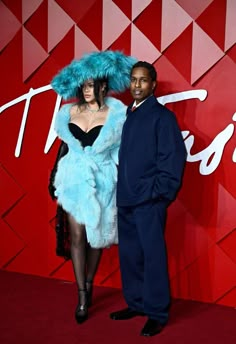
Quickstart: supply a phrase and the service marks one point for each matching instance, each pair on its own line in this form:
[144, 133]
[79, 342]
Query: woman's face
[88, 90]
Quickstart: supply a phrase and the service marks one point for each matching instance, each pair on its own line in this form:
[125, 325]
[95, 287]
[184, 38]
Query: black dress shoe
[151, 328]
[125, 314]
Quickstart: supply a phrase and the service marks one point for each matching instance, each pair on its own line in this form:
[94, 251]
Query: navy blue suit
[151, 162]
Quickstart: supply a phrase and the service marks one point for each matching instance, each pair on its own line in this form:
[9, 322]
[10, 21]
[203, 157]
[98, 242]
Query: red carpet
[38, 310]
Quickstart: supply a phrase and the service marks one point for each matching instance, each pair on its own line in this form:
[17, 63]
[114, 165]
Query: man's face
[141, 84]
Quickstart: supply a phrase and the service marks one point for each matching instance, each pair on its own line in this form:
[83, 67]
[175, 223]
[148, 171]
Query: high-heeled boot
[81, 312]
[89, 287]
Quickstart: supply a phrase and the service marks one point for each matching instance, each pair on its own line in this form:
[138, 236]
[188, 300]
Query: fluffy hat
[113, 65]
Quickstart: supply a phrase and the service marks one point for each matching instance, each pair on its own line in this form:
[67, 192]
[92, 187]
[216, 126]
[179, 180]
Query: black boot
[81, 312]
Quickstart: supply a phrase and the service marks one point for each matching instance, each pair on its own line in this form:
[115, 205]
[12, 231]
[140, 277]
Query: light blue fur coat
[86, 178]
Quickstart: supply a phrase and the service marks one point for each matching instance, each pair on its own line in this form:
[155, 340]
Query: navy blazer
[152, 155]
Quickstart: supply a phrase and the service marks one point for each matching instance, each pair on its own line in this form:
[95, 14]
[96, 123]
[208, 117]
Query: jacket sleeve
[171, 158]
[62, 151]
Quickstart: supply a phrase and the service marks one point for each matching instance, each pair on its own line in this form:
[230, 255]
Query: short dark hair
[148, 66]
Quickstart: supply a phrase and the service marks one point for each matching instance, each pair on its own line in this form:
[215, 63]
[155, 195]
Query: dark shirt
[152, 155]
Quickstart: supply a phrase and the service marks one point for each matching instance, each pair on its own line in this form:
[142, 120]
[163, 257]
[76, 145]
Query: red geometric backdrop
[192, 45]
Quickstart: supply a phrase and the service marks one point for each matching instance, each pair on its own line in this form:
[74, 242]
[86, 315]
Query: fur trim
[86, 178]
[110, 132]
[113, 65]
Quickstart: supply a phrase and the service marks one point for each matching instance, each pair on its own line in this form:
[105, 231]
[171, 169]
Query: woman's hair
[98, 83]
[148, 66]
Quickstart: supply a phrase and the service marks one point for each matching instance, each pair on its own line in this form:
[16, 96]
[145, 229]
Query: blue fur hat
[113, 65]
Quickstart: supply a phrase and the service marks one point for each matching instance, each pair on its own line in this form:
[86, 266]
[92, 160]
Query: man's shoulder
[153, 102]
[159, 108]
[163, 114]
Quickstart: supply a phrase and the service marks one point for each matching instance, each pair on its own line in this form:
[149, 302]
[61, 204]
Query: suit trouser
[143, 261]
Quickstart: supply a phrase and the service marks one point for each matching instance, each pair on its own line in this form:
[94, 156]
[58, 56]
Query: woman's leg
[85, 259]
[78, 257]
[93, 259]
[78, 251]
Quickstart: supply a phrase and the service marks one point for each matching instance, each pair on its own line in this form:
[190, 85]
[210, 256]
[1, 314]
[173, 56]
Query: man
[151, 162]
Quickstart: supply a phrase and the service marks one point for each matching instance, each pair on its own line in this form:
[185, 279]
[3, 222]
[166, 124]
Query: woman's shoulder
[66, 110]
[63, 115]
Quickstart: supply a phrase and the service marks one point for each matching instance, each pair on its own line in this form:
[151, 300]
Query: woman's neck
[94, 107]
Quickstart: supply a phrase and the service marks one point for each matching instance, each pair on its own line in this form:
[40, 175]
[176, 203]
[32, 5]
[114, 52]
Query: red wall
[192, 45]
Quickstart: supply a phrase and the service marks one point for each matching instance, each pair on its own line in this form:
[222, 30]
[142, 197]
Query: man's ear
[154, 84]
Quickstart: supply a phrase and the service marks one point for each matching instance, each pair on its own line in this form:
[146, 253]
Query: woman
[85, 178]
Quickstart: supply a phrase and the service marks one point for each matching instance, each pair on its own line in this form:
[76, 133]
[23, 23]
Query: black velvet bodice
[86, 138]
